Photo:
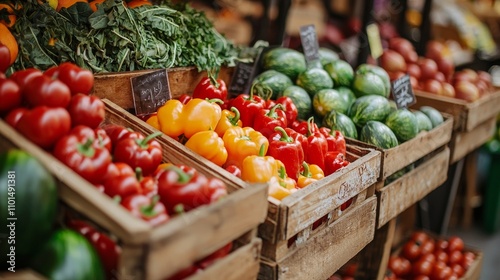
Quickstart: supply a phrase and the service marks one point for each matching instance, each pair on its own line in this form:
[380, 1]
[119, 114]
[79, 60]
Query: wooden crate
[466, 115]
[424, 143]
[183, 239]
[325, 250]
[399, 195]
[117, 87]
[462, 143]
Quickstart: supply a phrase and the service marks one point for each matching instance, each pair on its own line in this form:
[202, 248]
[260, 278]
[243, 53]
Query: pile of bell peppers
[54, 110]
[253, 138]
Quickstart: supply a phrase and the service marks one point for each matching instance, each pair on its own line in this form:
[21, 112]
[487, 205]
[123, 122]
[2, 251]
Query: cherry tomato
[441, 271]
[22, 77]
[458, 269]
[412, 250]
[441, 244]
[10, 94]
[422, 267]
[427, 247]
[15, 115]
[441, 256]
[44, 91]
[420, 236]
[455, 243]
[455, 257]
[400, 266]
[77, 79]
[468, 259]
[430, 257]
[4, 58]
[421, 277]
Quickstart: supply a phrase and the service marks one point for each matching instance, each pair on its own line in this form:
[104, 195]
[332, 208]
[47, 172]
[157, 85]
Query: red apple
[448, 90]
[392, 61]
[446, 66]
[413, 70]
[410, 56]
[440, 77]
[395, 75]
[414, 83]
[486, 77]
[432, 86]
[428, 68]
[434, 50]
[482, 86]
[466, 90]
[468, 75]
[400, 45]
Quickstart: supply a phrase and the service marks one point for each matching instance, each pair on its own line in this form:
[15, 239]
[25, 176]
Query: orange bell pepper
[311, 174]
[208, 145]
[153, 121]
[196, 115]
[277, 190]
[228, 119]
[242, 142]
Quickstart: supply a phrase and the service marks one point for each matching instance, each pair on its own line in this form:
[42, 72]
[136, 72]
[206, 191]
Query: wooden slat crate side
[411, 187]
[308, 205]
[453, 106]
[474, 271]
[465, 142]
[485, 108]
[117, 87]
[423, 144]
[283, 248]
[269, 229]
[242, 264]
[336, 244]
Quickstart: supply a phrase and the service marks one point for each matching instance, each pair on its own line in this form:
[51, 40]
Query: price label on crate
[402, 92]
[310, 44]
[244, 73]
[373, 34]
[150, 91]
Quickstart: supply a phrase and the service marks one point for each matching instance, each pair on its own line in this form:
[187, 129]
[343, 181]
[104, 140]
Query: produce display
[53, 110]
[112, 35]
[435, 73]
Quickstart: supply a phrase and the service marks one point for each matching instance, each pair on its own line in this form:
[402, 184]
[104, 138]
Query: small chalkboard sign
[150, 91]
[402, 92]
[244, 73]
[310, 43]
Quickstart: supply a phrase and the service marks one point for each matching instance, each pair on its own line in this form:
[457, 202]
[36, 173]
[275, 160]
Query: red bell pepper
[79, 153]
[149, 186]
[288, 150]
[4, 58]
[210, 87]
[270, 103]
[289, 107]
[334, 161]
[86, 110]
[181, 191]
[10, 94]
[122, 186]
[45, 91]
[317, 147]
[267, 119]
[44, 126]
[233, 169]
[144, 153]
[108, 251]
[101, 139]
[15, 115]
[149, 209]
[304, 127]
[77, 79]
[184, 98]
[117, 133]
[335, 139]
[249, 106]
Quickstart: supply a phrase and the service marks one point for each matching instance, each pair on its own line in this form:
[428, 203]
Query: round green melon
[287, 61]
[326, 100]
[341, 72]
[338, 121]
[369, 108]
[371, 80]
[326, 56]
[314, 80]
[423, 122]
[403, 123]
[378, 134]
[275, 80]
[433, 114]
[301, 99]
[347, 94]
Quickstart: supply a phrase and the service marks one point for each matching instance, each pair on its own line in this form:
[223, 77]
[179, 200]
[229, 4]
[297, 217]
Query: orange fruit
[12, 17]
[67, 3]
[93, 4]
[8, 40]
[137, 3]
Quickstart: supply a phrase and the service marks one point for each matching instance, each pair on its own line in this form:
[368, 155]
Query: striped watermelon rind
[433, 114]
[403, 123]
[326, 100]
[338, 121]
[378, 134]
[423, 122]
[369, 108]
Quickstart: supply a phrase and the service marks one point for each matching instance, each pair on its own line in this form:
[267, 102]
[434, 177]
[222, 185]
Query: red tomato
[10, 94]
[441, 256]
[400, 266]
[441, 271]
[412, 250]
[427, 247]
[441, 244]
[22, 77]
[86, 110]
[468, 259]
[458, 269]
[421, 277]
[44, 91]
[77, 79]
[420, 236]
[422, 267]
[430, 257]
[455, 243]
[455, 257]
[15, 115]
[4, 58]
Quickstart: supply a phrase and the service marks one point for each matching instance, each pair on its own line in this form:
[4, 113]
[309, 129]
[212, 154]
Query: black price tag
[403, 92]
[310, 43]
[150, 91]
[243, 75]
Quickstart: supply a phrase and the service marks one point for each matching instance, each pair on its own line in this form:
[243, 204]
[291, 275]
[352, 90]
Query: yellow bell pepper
[228, 119]
[311, 174]
[242, 142]
[197, 115]
[276, 189]
[208, 145]
[153, 121]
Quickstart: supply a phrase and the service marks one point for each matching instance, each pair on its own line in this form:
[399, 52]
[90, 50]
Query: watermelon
[423, 122]
[378, 134]
[287, 61]
[369, 108]
[433, 114]
[403, 123]
[326, 56]
[314, 80]
[347, 94]
[275, 80]
[326, 100]
[338, 121]
[301, 99]
[341, 72]
[371, 80]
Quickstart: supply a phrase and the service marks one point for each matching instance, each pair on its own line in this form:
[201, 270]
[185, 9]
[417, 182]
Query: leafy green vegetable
[116, 38]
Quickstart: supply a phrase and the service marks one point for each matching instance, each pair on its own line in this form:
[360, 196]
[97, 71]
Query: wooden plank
[244, 260]
[411, 187]
[323, 254]
[424, 143]
[453, 106]
[474, 271]
[465, 142]
[117, 88]
[308, 205]
[480, 111]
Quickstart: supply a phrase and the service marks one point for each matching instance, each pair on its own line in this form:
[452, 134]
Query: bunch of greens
[116, 38]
